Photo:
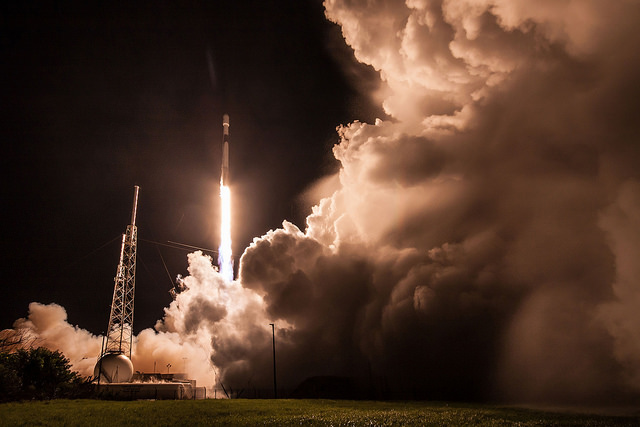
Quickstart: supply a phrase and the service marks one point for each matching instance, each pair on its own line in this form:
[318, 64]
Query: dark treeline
[39, 374]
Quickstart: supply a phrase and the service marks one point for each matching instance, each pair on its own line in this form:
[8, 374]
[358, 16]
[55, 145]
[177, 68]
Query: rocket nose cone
[225, 120]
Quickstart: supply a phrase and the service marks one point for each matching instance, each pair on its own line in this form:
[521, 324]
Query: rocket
[224, 177]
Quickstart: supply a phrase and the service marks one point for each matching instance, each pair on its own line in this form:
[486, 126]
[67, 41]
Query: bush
[38, 373]
[10, 381]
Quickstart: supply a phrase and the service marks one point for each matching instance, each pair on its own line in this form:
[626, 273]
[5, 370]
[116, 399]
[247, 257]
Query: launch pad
[114, 375]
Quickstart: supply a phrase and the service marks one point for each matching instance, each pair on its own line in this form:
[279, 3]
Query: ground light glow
[225, 260]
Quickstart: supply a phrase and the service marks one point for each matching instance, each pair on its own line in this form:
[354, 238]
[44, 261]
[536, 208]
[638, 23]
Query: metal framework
[120, 329]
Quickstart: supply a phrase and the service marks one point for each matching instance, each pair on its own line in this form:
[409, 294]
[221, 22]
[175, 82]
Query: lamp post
[273, 338]
[101, 354]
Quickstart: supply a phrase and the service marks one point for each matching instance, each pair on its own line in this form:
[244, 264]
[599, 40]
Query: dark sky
[97, 99]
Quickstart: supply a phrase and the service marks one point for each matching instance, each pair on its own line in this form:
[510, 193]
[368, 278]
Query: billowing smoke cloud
[47, 326]
[481, 244]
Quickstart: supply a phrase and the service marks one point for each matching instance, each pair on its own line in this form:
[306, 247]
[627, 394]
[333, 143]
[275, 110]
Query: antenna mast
[120, 329]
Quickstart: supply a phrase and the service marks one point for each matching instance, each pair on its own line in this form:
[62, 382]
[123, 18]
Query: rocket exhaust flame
[225, 261]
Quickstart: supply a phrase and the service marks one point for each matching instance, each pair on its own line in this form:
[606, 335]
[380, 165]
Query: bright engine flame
[225, 260]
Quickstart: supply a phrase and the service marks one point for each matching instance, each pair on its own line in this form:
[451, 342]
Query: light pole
[273, 338]
[101, 354]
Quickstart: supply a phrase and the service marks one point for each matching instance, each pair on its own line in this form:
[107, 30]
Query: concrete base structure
[159, 391]
[152, 386]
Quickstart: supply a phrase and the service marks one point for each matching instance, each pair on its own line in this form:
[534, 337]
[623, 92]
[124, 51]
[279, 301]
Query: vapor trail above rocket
[224, 177]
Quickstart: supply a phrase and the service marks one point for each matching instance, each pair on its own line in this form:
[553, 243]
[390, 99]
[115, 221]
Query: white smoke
[47, 326]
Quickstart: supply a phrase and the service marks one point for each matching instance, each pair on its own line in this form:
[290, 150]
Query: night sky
[97, 99]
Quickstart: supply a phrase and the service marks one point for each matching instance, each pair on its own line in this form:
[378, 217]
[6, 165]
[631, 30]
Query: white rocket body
[224, 177]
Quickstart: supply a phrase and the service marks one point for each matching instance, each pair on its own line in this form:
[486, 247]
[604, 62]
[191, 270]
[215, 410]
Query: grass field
[287, 412]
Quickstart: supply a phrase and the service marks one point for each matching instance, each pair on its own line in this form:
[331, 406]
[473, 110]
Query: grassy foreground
[287, 412]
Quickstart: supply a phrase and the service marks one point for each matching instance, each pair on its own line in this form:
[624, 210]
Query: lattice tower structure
[120, 329]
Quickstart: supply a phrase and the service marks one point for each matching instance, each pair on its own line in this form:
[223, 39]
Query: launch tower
[120, 329]
[114, 364]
